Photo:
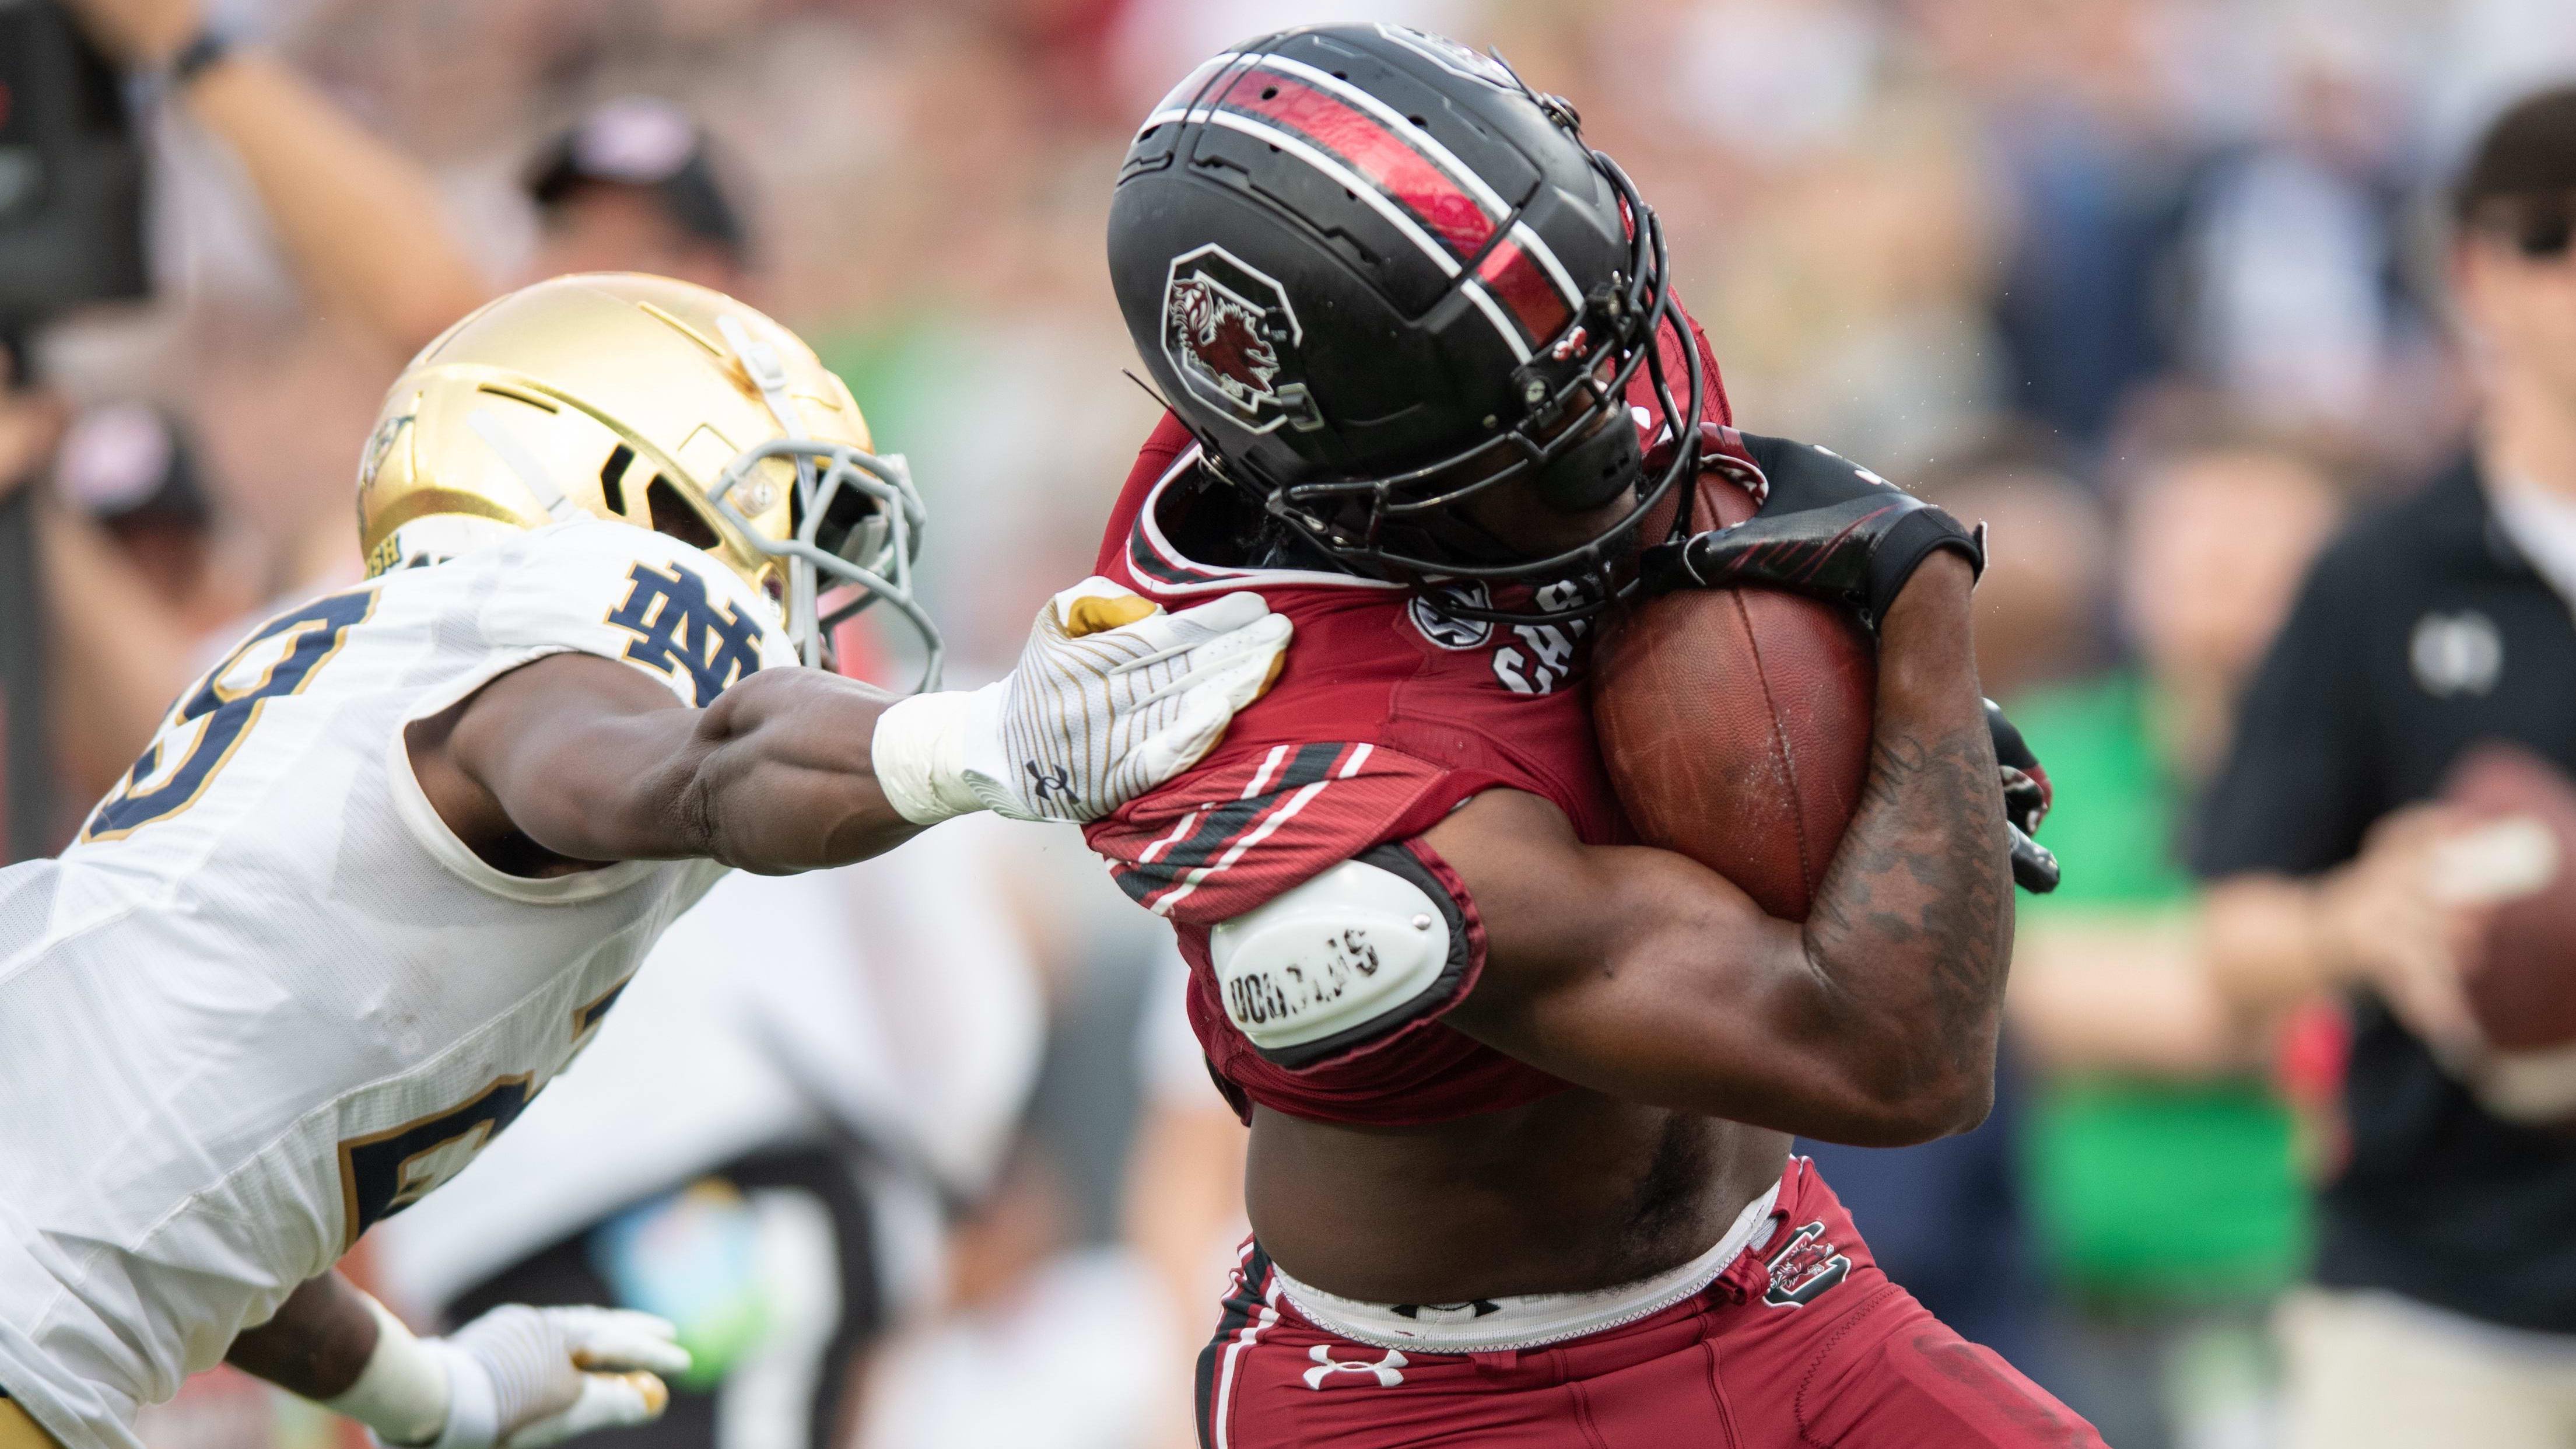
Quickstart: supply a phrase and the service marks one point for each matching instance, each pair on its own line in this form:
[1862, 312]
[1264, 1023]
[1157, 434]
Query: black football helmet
[1375, 274]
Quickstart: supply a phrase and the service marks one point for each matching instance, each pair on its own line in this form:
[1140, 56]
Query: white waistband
[1528, 1320]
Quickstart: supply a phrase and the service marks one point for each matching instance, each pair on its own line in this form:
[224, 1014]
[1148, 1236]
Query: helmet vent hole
[1270, 93]
[1417, 120]
[612, 478]
[672, 515]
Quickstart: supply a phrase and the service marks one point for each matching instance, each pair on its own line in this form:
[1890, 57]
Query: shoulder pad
[1344, 959]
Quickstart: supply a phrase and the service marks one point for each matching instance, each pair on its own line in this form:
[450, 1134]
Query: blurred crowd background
[2151, 286]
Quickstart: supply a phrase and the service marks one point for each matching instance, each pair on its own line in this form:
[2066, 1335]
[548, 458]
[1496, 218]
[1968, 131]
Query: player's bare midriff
[1573, 1192]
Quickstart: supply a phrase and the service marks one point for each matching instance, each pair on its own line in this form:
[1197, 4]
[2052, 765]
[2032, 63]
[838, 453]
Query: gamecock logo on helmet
[1224, 326]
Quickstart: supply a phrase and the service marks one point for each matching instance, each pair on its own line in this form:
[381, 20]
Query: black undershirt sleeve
[2297, 790]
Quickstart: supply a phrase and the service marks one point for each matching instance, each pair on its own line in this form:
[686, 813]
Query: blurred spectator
[2161, 1170]
[1949, 1219]
[361, 225]
[2435, 624]
[1044, 1341]
[763, 1141]
[2048, 562]
[631, 187]
[348, 209]
[129, 467]
[2097, 150]
[2301, 309]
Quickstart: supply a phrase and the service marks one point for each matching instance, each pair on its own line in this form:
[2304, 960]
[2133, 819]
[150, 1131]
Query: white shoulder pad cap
[1352, 946]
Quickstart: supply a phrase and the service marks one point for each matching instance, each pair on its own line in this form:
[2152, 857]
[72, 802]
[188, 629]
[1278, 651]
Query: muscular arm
[575, 760]
[1642, 974]
[316, 1344]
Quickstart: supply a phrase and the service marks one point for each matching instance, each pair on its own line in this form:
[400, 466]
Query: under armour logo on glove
[1385, 1370]
[1057, 782]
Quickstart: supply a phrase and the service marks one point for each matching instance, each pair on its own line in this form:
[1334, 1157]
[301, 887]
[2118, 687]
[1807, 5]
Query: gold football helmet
[657, 403]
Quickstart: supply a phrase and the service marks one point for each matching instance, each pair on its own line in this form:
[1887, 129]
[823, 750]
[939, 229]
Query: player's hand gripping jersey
[1388, 717]
[256, 1088]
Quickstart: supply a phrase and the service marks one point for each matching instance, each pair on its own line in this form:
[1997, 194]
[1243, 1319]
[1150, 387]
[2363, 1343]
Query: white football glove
[521, 1377]
[515, 1378]
[1112, 697]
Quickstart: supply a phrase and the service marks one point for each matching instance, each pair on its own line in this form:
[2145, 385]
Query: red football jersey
[1385, 718]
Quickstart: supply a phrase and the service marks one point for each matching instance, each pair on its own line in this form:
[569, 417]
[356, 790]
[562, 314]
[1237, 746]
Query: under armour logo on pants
[1326, 1366]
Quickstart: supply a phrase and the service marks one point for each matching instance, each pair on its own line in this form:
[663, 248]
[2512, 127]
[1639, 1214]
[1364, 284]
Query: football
[2521, 978]
[1736, 722]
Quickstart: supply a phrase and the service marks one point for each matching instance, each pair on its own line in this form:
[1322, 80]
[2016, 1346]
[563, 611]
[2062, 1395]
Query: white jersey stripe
[1269, 766]
[1278, 816]
[1219, 576]
[1180, 832]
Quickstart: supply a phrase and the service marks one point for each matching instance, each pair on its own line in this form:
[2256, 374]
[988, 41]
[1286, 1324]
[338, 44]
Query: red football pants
[1801, 1342]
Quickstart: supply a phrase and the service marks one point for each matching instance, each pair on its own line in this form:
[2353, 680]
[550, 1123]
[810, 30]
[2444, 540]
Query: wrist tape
[404, 1392]
[919, 754]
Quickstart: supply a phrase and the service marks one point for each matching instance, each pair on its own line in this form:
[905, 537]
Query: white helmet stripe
[1484, 301]
[1378, 201]
[1344, 177]
[1397, 124]
[1430, 149]
[1175, 105]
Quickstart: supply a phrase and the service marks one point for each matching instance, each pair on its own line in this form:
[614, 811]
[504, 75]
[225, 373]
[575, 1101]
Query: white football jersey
[267, 998]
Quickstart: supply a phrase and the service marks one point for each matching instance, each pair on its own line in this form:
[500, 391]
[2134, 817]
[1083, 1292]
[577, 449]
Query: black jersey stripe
[1229, 822]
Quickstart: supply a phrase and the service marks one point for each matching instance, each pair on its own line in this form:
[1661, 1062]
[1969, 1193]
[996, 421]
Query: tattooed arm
[1645, 975]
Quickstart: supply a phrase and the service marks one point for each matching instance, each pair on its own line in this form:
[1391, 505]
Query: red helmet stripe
[1368, 146]
[1441, 156]
[1513, 276]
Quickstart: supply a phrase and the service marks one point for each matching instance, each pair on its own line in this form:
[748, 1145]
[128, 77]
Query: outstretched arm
[1643, 974]
[575, 760]
[517, 1377]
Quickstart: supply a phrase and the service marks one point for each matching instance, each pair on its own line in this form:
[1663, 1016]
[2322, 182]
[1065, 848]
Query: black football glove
[1826, 527]
[2027, 796]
